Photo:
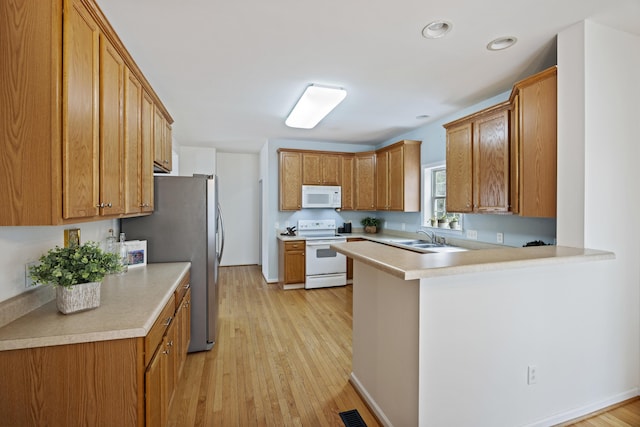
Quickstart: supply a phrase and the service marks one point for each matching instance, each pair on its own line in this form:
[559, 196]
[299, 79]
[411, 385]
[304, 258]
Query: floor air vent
[352, 418]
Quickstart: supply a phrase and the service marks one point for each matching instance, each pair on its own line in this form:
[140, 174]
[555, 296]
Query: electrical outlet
[499, 237]
[277, 226]
[472, 234]
[532, 374]
[404, 226]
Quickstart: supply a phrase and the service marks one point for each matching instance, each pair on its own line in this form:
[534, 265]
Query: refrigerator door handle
[221, 234]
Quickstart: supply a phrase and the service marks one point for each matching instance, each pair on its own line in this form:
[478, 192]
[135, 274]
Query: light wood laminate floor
[626, 414]
[282, 358]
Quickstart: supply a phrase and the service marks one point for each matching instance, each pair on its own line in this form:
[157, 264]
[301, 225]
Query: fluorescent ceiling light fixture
[314, 105]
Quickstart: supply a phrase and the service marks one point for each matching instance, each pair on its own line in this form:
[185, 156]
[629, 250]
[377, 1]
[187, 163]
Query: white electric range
[324, 266]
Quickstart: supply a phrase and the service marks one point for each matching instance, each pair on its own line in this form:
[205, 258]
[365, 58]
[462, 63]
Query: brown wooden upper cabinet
[503, 159]
[364, 196]
[397, 168]
[138, 144]
[319, 168]
[290, 183]
[63, 145]
[347, 181]
[398, 177]
[478, 162]
[534, 145]
[162, 142]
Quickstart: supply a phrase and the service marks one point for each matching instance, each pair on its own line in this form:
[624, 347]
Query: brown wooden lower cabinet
[121, 382]
[350, 260]
[291, 263]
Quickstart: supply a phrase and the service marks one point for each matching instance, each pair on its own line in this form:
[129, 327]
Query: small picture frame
[137, 250]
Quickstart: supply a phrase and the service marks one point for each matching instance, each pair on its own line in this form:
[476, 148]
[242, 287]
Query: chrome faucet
[431, 234]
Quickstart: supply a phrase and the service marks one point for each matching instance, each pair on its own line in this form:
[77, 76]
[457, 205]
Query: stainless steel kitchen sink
[423, 246]
[408, 242]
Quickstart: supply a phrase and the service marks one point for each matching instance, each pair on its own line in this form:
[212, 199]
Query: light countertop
[409, 265]
[129, 305]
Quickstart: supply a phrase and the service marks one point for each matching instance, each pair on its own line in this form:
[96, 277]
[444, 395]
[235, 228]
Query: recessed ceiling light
[502, 43]
[436, 29]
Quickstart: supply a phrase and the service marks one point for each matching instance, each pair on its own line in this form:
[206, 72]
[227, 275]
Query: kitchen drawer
[154, 337]
[294, 246]
[181, 290]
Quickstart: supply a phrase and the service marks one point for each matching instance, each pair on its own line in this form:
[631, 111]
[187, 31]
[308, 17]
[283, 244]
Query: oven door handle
[326, 244]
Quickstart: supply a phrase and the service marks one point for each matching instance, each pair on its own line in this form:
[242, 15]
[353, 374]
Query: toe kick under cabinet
[120, 381]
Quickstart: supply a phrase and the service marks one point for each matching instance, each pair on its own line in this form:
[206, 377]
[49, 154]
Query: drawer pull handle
[168, 321]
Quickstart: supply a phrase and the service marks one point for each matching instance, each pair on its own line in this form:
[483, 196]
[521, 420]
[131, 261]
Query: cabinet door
[290, 181]
[331, 169]
[538, 145]
[294, 265]
[158, 137]
[80, 139]
[350, 260]
[395, 179]
[111, 129]
[365, 181]
[183, 317]
[166, 147]
[146, 153]
[155, 395]
[132, 143]
[491, 163]
[321, 168]
[346, 182]
[382, 181]
[311, 169]
[171, 351]
[459, 168]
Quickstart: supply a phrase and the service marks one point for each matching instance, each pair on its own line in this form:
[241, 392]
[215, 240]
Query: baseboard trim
[558, 420]
[574, 415]
[369, 401]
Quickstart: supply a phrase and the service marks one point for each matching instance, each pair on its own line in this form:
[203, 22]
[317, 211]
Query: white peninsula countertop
[129, 305]
[407, 265]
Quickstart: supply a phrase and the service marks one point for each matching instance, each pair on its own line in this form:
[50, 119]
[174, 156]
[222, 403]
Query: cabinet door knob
[100, 205]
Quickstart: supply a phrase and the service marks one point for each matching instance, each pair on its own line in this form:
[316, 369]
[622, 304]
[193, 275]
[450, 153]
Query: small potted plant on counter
[453, 223]
[370, 224]
[76, 272]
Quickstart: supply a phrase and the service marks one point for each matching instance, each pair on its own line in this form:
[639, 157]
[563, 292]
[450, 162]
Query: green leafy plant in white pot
[77, 273]
[370, 224]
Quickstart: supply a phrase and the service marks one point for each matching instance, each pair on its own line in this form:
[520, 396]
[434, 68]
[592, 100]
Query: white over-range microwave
[321, 196]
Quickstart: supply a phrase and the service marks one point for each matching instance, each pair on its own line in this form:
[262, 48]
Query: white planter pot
[80, 297]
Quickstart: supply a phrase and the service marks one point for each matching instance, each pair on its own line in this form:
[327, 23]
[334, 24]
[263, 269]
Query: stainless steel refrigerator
[186, 225]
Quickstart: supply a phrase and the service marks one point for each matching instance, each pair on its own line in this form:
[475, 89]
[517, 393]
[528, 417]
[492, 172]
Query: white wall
[479, 333]
[239, 200]
[598, 156]
[19, 245]
[197, 160]
[266, 206]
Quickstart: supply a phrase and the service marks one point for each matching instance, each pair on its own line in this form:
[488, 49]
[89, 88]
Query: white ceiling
[230, 71]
